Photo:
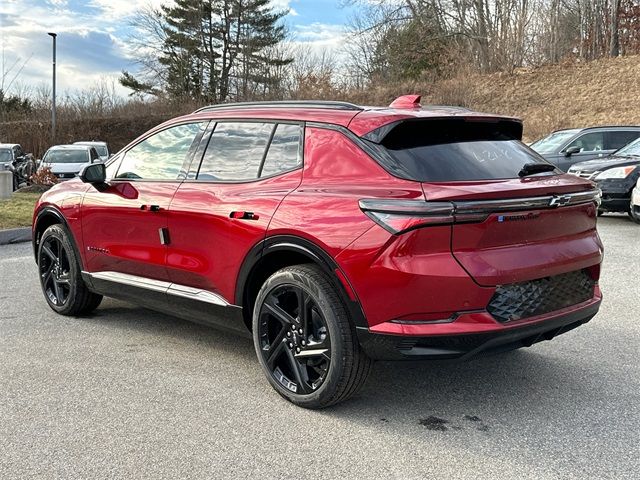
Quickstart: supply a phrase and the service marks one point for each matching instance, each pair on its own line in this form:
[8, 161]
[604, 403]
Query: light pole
[53, 101]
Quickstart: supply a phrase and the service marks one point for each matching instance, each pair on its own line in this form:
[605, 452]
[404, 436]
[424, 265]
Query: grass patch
[17, 211]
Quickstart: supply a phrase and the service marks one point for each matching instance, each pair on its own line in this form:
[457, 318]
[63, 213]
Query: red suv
[336, 234]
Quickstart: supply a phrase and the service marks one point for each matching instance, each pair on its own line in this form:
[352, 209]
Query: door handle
[151, 208]
[244, 215]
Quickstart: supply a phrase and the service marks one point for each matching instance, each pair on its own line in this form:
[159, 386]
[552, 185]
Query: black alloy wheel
[55, 274]
[59, 272]
[305, 340]
[294, 339]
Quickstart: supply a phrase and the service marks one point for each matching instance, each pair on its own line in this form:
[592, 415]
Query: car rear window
[455, 150]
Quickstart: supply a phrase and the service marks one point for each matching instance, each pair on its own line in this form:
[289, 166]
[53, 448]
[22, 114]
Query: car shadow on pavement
[438, 395]
[480, 394]
[143, 321]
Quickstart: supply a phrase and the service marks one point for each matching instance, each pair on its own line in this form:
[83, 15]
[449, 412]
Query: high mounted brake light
[399, 216]
[407, 101]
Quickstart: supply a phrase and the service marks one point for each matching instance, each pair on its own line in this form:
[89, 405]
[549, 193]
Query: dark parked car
[616, 176]
[335, 234]
[22, 165]
[567, 147]
[635, 203]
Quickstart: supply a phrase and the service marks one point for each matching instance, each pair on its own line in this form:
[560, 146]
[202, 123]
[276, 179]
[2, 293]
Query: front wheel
[60, 278]
[304, 339]
[634, 216]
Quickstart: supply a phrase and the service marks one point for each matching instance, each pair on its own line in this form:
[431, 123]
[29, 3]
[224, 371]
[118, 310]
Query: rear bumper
[477, 334]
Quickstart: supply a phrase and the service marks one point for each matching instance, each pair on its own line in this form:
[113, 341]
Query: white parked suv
[101, 148]
[65, 161]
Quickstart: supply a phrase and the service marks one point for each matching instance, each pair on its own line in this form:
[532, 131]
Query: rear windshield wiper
[533, 168]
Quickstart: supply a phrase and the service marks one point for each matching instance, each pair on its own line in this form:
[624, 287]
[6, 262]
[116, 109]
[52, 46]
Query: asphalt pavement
[129, 393]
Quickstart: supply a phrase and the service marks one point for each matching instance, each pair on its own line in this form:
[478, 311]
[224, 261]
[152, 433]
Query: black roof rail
[283, 104]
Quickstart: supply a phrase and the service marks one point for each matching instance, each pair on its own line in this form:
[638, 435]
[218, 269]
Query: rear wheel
[635, 216]
[60, 278]
[304, 339]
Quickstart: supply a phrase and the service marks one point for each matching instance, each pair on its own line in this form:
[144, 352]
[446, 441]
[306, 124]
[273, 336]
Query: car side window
[284, 151]
[235, 151]
[589, 142]
[619, 139]
[160, 156]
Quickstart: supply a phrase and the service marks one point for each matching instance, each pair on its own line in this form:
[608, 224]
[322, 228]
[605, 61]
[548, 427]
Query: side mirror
[571, 150]
[94, 173]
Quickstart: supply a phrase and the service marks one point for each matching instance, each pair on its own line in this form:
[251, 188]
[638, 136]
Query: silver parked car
[101, 147]
[567, 147]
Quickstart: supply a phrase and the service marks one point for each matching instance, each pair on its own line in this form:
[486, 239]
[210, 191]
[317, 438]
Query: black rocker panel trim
[183, 302]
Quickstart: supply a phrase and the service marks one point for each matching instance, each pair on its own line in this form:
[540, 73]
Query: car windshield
[632, 150]
[5, 155]
[66, 156]
[553, 142]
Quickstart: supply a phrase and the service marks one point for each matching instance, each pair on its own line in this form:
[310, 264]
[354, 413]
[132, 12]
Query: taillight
[397, 216]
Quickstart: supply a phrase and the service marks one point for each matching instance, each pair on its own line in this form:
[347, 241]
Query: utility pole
[53, 100]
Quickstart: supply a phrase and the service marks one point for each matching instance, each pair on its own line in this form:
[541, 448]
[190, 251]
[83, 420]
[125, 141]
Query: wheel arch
[282, 251]
[46, 217]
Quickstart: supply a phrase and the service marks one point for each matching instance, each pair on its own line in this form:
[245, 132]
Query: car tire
[633, 215]
[310, 355]
[60, 274]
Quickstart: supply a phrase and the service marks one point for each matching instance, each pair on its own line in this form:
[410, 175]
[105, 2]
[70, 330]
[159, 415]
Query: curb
[15, 235]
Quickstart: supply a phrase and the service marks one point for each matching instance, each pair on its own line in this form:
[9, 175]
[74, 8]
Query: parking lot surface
[129, 393]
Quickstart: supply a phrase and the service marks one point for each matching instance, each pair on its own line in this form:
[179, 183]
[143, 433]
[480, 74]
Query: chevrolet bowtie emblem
[559, 201]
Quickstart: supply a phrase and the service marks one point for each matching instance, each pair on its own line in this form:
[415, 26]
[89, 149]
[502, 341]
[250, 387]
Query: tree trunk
[614, 42]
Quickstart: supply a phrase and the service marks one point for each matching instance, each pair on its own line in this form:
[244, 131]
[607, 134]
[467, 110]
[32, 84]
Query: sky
[92, 38]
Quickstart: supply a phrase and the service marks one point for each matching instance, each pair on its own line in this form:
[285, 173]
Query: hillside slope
[603, 92]
[571, 94]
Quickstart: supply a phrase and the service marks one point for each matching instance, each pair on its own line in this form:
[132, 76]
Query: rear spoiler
[447, 129]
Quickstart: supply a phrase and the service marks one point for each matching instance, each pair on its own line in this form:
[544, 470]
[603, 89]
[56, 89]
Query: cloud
[120, 10]
[92, 39]
[319, 35]
[86, 51]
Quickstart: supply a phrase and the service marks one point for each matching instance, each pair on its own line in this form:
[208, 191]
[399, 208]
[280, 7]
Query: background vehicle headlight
[618, 172]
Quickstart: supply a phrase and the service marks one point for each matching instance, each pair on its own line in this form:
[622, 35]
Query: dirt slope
[571, 94]
[603, 92]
